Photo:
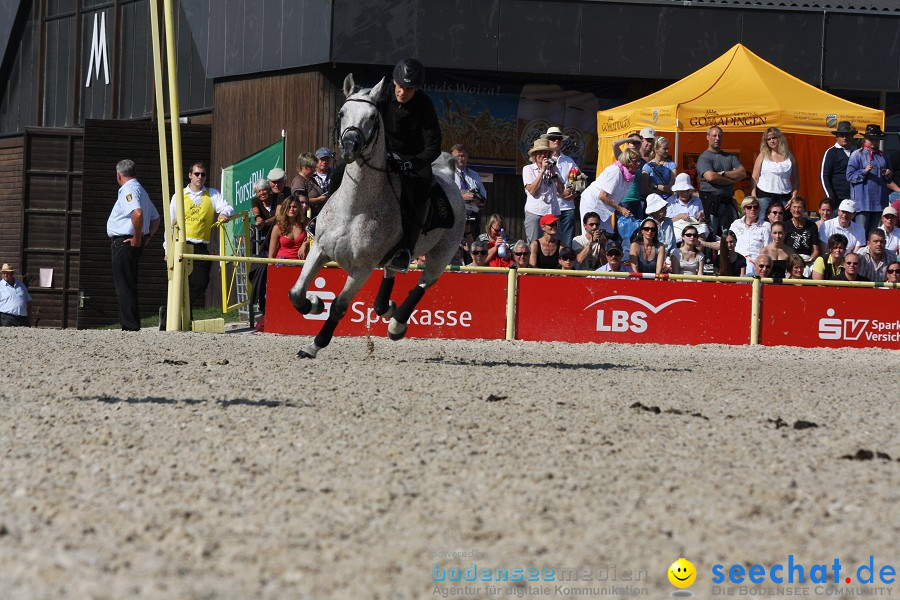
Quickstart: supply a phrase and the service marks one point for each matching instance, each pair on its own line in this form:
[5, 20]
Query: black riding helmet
[409, 73]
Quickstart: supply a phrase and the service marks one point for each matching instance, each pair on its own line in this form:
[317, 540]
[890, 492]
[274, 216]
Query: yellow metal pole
[511, 285]
[161, 130]
[176, 319]
[755, 299]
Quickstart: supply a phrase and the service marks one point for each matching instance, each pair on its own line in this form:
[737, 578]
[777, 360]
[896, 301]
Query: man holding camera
[470, 185]
[564, 164]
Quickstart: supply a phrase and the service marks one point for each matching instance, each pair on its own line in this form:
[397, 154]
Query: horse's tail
[445, 164]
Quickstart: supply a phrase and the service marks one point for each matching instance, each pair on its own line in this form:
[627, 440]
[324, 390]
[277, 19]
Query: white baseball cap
[847, 206]
[890, 210]
[648, 132]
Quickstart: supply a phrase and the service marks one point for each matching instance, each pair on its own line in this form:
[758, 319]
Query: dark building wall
[105, 143]
[11, 157]
[251, 113]
[58, 84]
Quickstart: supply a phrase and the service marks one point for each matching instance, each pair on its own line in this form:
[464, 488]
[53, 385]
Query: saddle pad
[440, 211]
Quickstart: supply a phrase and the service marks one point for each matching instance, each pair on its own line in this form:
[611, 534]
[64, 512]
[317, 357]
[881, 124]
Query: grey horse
[361, 223]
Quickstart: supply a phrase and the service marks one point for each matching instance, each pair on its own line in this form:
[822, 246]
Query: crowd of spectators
[641, 215]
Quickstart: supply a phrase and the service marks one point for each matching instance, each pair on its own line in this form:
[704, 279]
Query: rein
[366, 142]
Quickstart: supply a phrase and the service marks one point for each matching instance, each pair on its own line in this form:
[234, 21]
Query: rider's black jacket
[412, 131]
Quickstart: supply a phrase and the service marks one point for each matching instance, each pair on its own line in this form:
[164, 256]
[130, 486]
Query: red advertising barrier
[459, 305]
[571, 309]
[830, 317]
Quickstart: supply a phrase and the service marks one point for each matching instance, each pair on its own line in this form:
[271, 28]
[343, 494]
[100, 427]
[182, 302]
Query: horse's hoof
[301, 303]
[308, 352]
[396, 330]
[316, 305]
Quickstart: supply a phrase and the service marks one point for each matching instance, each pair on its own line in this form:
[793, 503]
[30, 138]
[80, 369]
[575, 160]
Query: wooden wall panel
[251, 113]
[105, 144]
[11, 156]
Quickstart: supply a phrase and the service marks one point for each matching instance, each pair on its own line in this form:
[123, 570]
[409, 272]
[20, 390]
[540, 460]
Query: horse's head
[359, 122]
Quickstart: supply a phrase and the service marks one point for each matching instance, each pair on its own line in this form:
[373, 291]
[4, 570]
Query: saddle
[435, 213]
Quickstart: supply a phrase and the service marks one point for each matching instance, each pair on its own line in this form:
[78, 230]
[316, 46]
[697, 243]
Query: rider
[413, 139]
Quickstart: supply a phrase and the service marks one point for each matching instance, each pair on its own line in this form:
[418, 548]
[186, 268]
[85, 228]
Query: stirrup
[400, 262]
[311, 228]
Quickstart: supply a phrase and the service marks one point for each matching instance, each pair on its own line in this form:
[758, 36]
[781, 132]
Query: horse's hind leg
[384, 306]
[339, 307]
[308, 305]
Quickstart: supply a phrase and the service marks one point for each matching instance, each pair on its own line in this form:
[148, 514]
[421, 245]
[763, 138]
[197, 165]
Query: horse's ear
[350, 86]
[379, 92]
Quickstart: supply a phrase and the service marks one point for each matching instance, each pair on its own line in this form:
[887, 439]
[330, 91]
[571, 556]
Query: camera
[477, 193]
[551, 161]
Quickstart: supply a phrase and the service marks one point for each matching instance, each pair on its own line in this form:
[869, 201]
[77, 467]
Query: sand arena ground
[156, 465]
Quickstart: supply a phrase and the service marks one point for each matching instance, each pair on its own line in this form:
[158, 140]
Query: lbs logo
[635, 321]
[841, 329]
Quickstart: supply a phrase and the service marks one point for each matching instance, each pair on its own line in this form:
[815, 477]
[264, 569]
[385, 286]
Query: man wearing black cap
[834, 163]
[614, 259]
[413, 138]
[869, 173]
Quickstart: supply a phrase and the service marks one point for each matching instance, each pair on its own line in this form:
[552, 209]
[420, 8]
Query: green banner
[238, 179]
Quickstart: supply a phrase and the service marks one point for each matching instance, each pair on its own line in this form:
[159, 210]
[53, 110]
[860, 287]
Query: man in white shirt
[201, 207]
[15, 301]
[564, 164]
[843, 223]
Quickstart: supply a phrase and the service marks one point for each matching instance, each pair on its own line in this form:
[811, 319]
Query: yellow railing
[235, 245]
[513, 275]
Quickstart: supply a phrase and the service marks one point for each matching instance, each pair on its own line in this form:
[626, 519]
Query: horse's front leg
[304, 304]
[384, 306]
[339, 307]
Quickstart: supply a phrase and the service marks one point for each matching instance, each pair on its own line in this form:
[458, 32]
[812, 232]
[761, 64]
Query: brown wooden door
[51, 232]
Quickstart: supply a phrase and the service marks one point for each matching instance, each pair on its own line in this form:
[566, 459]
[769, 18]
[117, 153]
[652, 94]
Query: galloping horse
[361, 223]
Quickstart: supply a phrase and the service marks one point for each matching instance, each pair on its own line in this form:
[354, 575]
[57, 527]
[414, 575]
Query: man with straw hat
[543, 188]
[15, 301]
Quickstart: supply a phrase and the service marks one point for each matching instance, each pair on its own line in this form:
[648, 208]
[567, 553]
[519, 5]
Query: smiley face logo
[682, 573]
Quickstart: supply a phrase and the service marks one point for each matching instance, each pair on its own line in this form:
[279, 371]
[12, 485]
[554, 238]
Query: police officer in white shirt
[201, 205]
[130, 226]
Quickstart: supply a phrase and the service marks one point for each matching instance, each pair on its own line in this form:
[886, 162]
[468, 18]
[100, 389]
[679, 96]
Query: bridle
[367, 142]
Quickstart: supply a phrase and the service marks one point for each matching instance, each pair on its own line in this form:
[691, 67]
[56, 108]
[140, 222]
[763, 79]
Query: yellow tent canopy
[738, 91]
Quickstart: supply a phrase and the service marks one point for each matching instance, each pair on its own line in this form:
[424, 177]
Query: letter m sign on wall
[98, 52]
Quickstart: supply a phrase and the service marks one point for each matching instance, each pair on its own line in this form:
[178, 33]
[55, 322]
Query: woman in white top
[776, 175]
[543, 188]
[752, 234]
[686, 258]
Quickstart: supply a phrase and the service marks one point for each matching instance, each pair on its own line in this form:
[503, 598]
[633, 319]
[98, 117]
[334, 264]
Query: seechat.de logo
[635, 321]
[795, 572]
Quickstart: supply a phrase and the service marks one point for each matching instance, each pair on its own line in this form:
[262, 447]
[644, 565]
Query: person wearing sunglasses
[545, 250]
[614, 262]
[752, 233]
[521, 255]
[687, 259]
[893, 273]
[774, 212]
[646, 252]
[479, 254]
[844, 224]
[851, 269]
[202, 207]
